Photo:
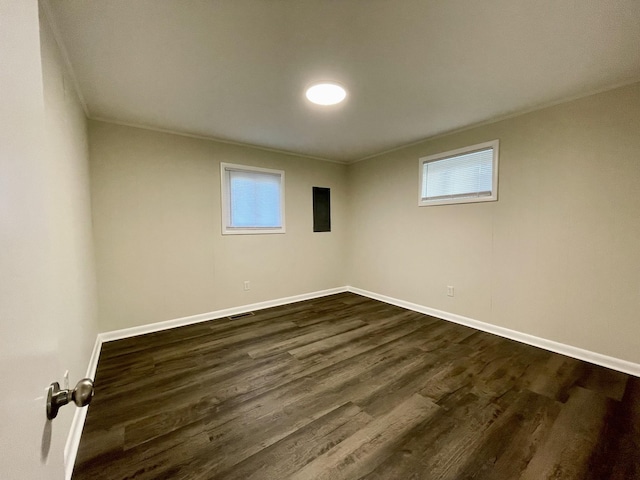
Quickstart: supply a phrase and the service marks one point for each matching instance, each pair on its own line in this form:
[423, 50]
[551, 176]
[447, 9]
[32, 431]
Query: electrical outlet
[449, 291]
[247, 285]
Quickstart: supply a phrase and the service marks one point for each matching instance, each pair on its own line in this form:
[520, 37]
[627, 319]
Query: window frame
[494, 144]
[225, 192]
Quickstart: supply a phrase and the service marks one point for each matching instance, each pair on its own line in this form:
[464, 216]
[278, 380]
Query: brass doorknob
[56, 398]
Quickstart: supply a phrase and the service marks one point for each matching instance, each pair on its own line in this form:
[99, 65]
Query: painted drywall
[75, 308]
[160, 252]
[47, 307]
[557, 256]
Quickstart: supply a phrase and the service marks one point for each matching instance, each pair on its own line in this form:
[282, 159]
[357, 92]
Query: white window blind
[462, 176]
[255, 199]
[252, 199]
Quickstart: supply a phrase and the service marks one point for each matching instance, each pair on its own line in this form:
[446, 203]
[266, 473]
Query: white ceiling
[236, 70]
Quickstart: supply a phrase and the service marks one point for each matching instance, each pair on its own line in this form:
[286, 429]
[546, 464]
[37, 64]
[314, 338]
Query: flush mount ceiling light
[326, 93]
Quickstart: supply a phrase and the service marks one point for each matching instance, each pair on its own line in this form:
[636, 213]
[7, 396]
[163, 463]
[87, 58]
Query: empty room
[320, 239]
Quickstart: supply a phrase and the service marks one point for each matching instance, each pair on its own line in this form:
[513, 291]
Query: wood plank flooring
[344, 387]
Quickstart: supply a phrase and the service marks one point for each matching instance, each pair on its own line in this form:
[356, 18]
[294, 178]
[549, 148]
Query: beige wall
[558, 256]
[160, 251]
[75, 306]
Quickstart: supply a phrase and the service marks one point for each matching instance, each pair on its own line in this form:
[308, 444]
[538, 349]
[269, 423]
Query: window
[252, 199]
[465, 175]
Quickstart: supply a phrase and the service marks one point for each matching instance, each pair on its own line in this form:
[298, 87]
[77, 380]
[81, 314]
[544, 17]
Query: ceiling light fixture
[326, 93]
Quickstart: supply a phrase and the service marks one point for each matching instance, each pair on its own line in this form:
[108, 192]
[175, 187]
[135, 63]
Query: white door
[30, 446]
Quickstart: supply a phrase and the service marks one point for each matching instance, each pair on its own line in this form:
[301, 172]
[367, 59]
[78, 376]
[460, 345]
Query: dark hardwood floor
[344, 387]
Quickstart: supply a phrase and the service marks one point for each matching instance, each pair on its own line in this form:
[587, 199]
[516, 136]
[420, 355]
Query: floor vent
[240, 315]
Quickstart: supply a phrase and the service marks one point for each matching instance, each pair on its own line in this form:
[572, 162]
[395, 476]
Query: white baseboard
[203, 317]
[75, 432]
[564, 349]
